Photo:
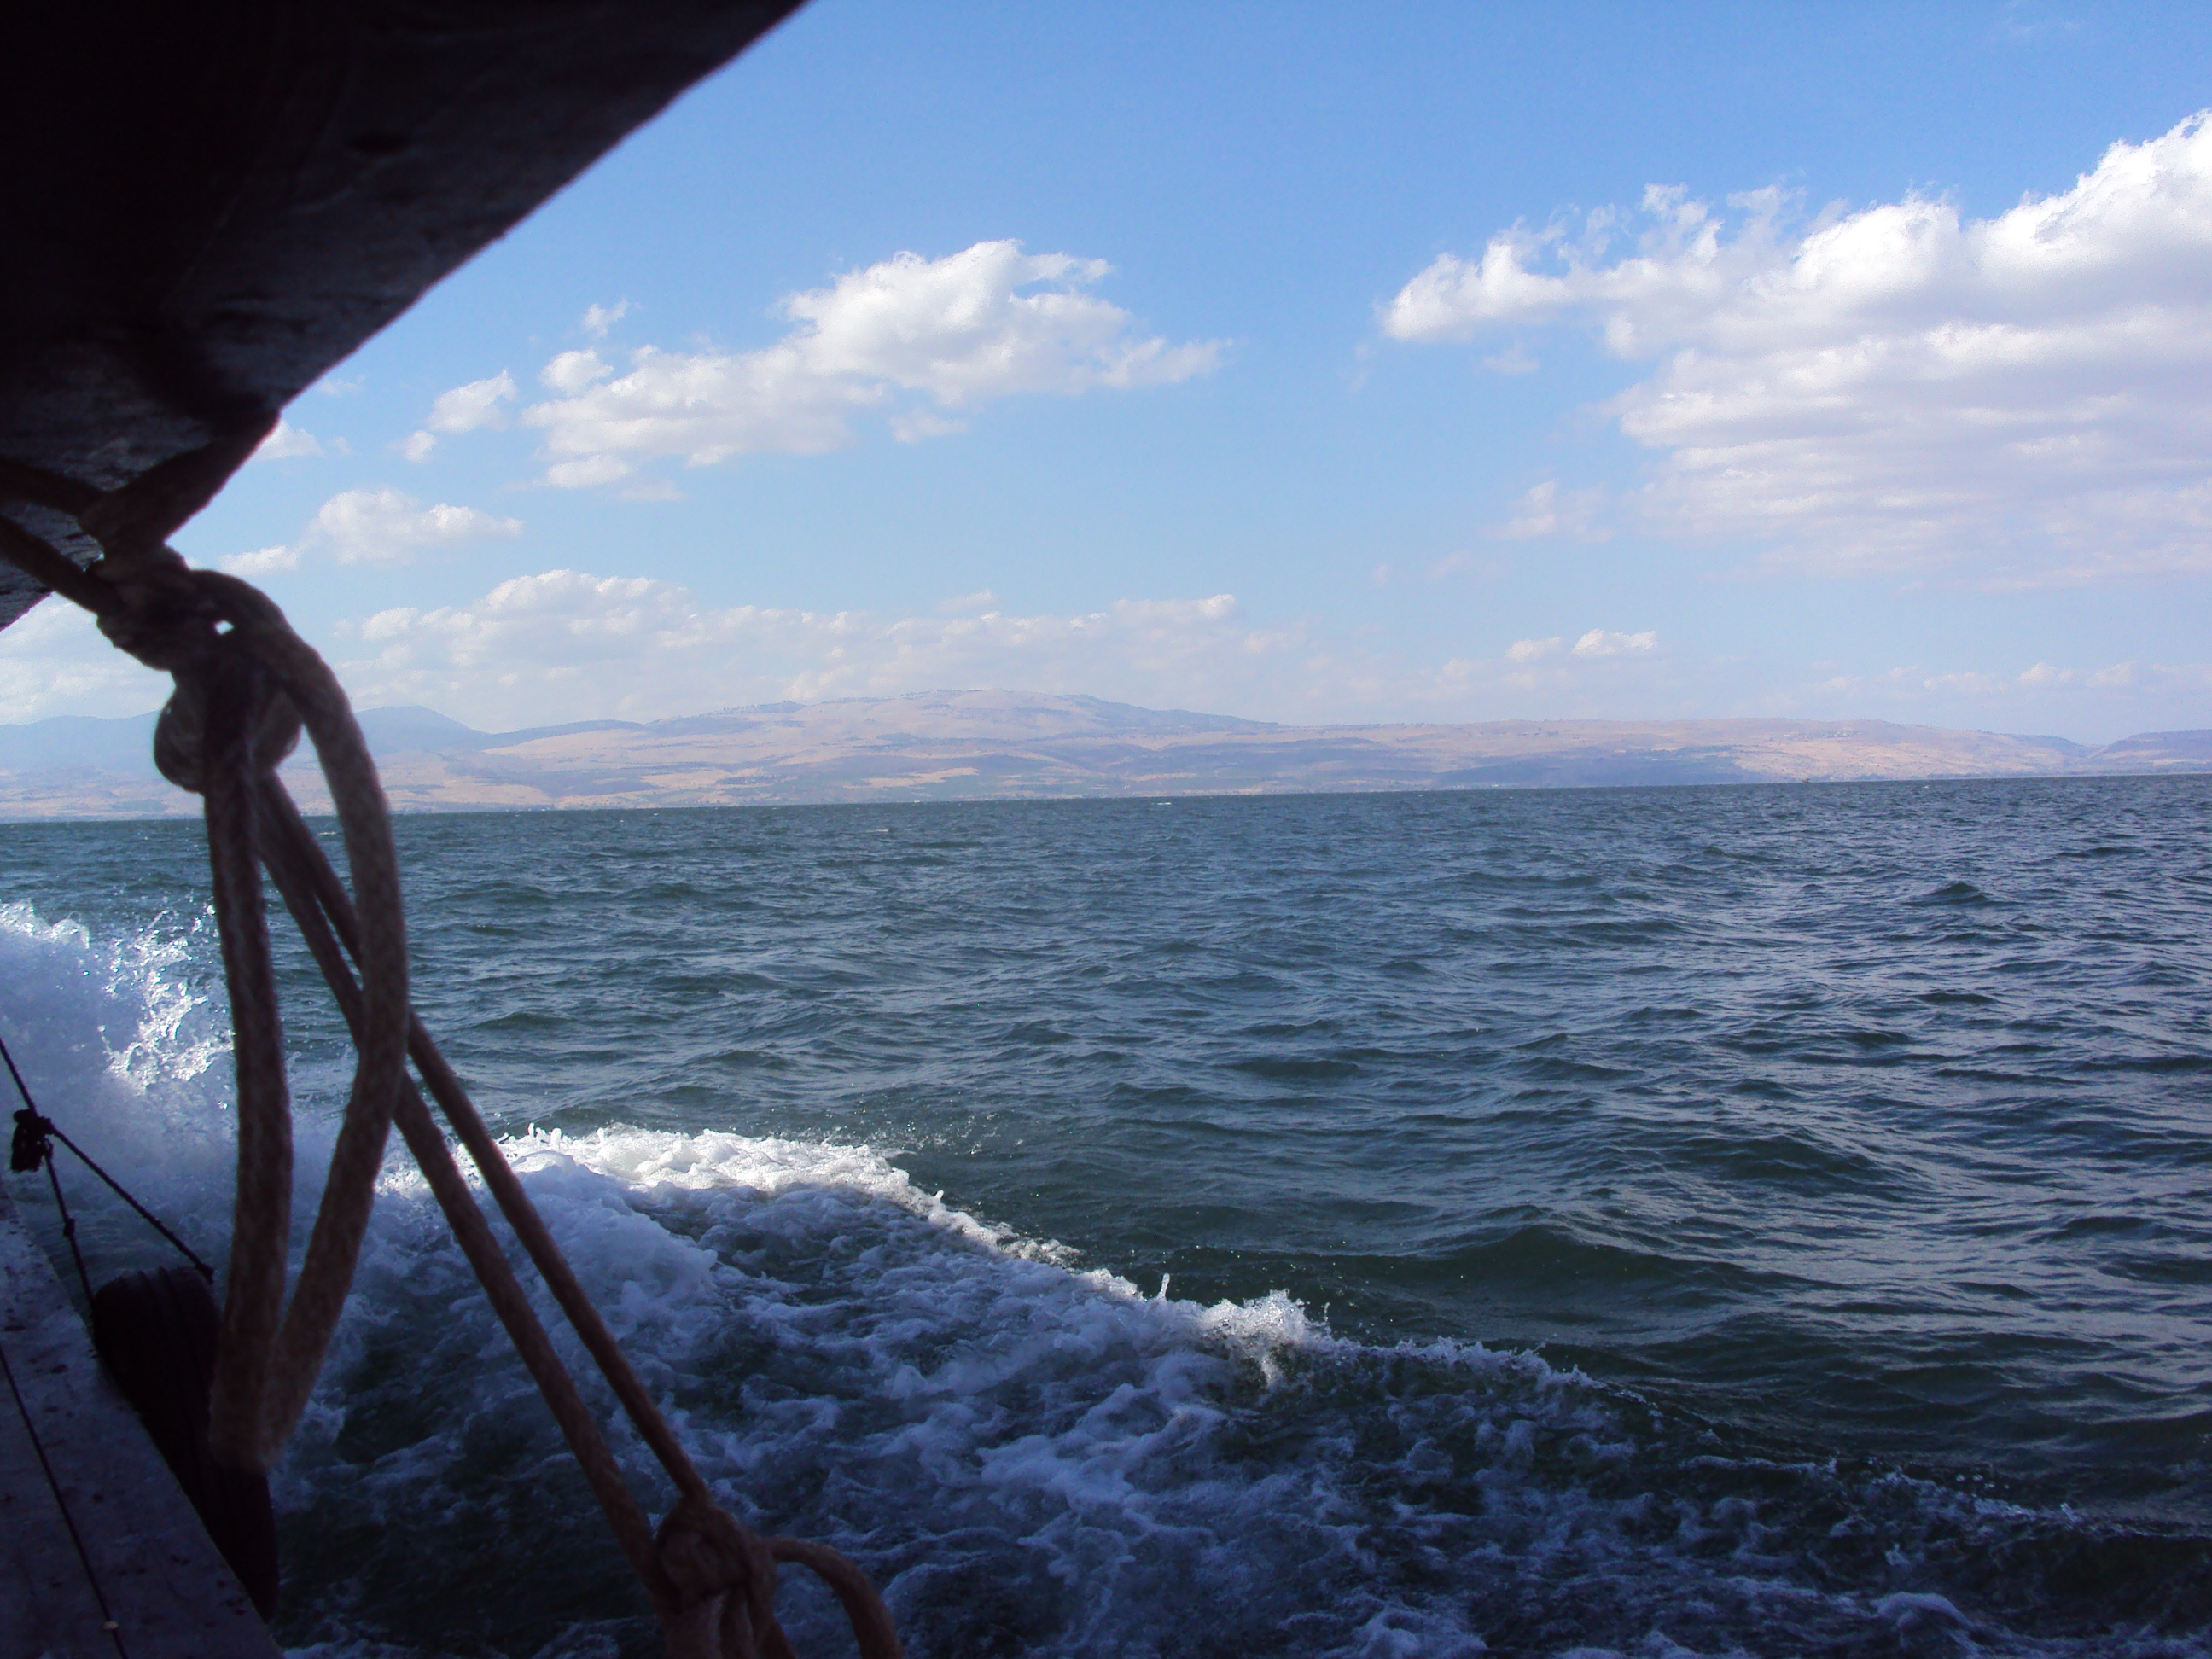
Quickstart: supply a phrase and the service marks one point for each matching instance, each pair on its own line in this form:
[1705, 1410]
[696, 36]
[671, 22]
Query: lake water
[1706, 1221]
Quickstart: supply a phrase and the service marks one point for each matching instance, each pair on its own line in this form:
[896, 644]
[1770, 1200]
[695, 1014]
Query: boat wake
[1026, 1452]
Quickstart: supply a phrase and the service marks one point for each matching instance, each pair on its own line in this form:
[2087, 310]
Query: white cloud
[1546, 511]
[589, 470]
[374, 527]
[597, 319]
[54, 660]
[1969, 684]
[563, 644]
[920, 339]
[915, 426]
[464, 409]
[1600, 643]
[572, 371]
[286, 442]
[2020, 400]
[382, 527]
[263, 562]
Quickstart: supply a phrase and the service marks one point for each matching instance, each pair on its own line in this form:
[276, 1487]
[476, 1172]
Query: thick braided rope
[246, 683]
[380, 1041]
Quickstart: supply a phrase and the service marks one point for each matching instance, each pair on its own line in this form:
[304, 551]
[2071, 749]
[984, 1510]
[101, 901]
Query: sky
[1303, 362]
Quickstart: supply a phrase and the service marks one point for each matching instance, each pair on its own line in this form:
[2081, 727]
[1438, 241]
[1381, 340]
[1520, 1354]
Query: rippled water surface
[1728, 1221]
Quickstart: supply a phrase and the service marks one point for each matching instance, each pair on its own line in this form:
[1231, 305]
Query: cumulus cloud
[382, 527]
[374, 527]
[2025, 398]
[921, 340]
[286, 442]
[597, 319]
[262, 561]
[572, 371]
[464, 409]
[1598, 642]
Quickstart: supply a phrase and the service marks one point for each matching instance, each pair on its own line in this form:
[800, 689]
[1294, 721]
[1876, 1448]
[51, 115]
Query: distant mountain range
[944, 745]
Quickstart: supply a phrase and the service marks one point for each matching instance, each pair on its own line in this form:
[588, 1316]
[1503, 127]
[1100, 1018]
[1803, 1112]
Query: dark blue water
[1767, 1221]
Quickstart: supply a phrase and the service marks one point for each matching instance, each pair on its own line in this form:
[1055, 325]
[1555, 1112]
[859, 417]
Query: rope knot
[157, 613]
[270, 722]
[721, 1578]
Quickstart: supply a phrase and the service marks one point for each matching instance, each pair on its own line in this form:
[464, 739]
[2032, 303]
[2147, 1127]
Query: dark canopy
[207, 205]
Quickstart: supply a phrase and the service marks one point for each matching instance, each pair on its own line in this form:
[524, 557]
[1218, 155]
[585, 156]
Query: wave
[1028, 1454]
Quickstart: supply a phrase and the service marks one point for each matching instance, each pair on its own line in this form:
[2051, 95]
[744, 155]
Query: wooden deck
[140, 1579]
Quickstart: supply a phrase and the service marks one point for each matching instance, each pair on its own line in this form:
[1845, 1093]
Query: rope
[247, 686]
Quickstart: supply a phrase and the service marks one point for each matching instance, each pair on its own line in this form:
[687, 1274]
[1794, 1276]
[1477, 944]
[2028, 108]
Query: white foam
[123, 1048]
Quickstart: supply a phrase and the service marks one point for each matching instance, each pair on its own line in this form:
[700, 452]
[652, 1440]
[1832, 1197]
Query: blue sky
[1336, 364]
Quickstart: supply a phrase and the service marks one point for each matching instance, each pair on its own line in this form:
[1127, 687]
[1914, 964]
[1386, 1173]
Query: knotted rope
[247, 686]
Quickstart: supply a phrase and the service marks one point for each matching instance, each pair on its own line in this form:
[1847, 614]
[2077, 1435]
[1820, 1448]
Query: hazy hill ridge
[1004, 745]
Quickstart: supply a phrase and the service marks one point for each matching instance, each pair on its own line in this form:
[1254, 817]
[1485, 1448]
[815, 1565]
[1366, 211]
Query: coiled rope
[247, 685]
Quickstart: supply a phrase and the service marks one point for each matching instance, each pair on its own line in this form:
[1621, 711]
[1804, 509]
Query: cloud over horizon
[559, 640]
[568, 645]
[2021, 400]
[564, 645]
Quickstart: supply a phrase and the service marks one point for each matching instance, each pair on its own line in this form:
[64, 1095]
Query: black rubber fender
[155, 1330]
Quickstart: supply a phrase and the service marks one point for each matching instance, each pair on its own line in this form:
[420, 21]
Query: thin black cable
[32, 1129]
[69, 1226]
[108, 1622]
[150, 1219]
